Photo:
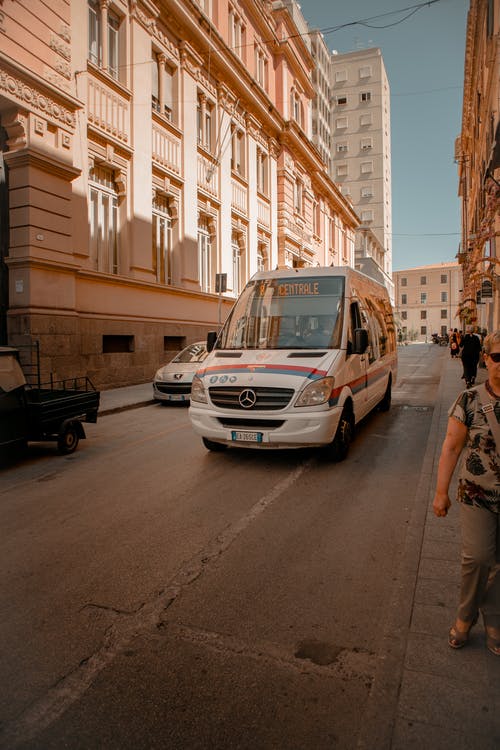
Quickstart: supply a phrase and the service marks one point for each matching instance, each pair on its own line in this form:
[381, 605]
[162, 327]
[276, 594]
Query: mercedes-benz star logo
[247, 398]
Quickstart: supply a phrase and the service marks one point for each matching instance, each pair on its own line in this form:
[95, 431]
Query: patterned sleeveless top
[479, 474]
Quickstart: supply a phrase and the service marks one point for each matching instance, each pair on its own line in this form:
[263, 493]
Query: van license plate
[247, 437]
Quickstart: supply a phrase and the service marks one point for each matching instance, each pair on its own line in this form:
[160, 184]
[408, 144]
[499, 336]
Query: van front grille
[266, 399]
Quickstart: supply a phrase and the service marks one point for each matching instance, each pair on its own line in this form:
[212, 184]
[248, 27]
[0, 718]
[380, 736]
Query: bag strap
[488, 409]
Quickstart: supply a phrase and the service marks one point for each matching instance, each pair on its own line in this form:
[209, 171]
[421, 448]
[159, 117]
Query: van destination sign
[313, 287]
[295, 289]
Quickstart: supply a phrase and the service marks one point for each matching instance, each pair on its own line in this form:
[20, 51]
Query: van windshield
[286, 313]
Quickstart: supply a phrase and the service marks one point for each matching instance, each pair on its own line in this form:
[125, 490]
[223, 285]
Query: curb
[124, 407]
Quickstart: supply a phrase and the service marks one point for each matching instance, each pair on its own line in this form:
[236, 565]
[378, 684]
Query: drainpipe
[4, 242]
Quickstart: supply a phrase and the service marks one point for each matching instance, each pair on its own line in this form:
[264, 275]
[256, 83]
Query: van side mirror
[211, 339]
[360, 341]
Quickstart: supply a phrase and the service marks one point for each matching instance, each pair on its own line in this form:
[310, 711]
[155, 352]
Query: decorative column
[104, 33]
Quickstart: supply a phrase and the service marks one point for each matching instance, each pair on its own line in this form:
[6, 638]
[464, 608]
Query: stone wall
[73, 346]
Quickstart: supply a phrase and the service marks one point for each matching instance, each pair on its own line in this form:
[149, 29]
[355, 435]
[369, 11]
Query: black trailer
[34, 411]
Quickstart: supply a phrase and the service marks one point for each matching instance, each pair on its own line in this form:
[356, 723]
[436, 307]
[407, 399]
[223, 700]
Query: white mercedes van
[304, 355]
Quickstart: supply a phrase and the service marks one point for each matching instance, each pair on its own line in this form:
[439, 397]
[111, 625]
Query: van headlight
[198, 392]
[317, 392]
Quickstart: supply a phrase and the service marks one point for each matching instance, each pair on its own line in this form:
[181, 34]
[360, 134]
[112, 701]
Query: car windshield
[285, 313]
[192, 353]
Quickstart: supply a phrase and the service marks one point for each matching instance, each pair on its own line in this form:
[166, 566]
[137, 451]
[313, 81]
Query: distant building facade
[322, 102]
[361, 147]
[477, 153]
[427, 299]
[143, 154]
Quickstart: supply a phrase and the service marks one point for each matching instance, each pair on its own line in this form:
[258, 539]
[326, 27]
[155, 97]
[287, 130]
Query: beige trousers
[480, 586]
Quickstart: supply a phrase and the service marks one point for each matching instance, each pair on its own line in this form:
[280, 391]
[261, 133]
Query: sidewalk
[128, 397]
[426, 694]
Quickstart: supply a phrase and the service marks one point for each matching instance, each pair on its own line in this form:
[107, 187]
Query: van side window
[354, 322]
[383, 324]
[367, 323]
[390, 328]
[377, 325]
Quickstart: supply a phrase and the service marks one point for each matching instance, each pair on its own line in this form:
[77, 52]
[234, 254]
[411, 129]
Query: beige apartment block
[149, 149]
[477, 153]
[361, 146]
[427, 300]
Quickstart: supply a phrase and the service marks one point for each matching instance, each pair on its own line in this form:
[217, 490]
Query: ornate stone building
[147, 147]
[477, 152]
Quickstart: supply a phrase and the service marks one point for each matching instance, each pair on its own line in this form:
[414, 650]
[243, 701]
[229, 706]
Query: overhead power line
[409, 10]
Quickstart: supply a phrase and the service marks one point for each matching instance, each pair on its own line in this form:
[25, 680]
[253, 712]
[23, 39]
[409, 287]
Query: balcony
[239, 196]
[108, 110]
[166, 149]
[207, 174]
[263, 212]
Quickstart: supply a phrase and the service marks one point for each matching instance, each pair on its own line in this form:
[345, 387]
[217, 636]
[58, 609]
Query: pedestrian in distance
[454, 344]
[474, 424]
[470, 353]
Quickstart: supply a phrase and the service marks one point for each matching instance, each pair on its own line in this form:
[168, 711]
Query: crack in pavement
[346, 663]
[69, 688]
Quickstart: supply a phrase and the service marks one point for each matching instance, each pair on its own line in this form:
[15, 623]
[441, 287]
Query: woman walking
[454, 343]
[469, 354]
[473, 423]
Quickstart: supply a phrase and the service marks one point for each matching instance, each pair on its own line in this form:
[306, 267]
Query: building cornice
[35, 94]
[47, 162]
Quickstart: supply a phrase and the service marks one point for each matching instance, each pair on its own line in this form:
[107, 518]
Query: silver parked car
[172, 382]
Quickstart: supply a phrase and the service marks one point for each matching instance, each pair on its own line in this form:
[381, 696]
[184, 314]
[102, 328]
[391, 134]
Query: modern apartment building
[427, 299]
[361, 145]
[149, 152]
[477, 153]
[321, 109]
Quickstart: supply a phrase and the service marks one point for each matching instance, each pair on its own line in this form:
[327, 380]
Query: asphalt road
[155, 595]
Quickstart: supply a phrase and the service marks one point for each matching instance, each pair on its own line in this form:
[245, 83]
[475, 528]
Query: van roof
[317, 271]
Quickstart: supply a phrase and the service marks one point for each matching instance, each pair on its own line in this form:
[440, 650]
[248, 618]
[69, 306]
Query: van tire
[385, 404]
[343, 437]
[211, 445]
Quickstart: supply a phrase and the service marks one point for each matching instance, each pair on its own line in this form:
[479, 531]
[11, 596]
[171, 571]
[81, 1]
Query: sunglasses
[495, 356]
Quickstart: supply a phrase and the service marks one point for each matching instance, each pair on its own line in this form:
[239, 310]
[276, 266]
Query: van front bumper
[301, 428]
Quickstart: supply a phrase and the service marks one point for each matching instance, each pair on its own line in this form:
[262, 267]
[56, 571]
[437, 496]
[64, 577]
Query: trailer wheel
[211, 445]
[68, 439]
[339, 448]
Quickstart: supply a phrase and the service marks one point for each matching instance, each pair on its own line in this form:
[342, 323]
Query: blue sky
[424, 59]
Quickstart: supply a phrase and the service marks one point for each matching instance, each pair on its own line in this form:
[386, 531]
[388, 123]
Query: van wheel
[385, 404]
[343, 437]
[68, 439]
[211, 445]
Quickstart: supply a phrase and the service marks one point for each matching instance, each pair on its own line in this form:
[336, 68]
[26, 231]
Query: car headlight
[198, 392]
[159, 375]
[317, 392]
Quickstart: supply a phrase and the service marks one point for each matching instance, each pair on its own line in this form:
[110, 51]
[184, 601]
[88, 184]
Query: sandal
[493, 644]
[460, 638]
